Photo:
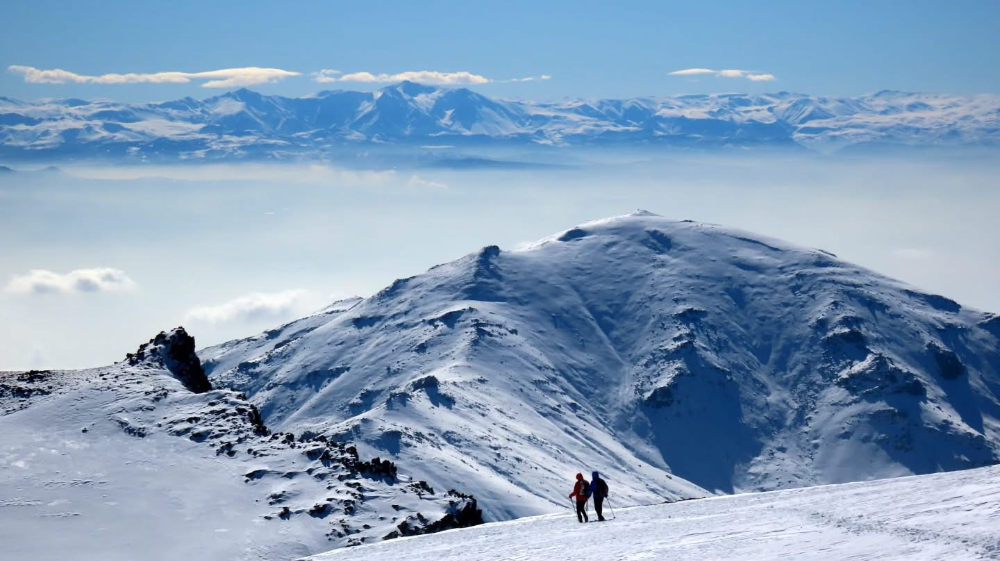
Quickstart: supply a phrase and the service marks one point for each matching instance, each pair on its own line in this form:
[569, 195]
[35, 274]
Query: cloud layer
[250, 307]
[251, 76]
[728, 73]
[40, 281]
[422, 76]
[224, 78]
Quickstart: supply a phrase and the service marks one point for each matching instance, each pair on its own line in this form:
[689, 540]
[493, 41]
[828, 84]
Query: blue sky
[589, 49]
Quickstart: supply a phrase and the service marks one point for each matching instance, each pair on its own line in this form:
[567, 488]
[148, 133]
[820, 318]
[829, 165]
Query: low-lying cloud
[41, 281]
[751, 75]
[251, 307]
[223, 78]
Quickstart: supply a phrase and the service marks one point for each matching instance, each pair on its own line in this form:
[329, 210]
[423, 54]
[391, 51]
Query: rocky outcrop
[174, 351]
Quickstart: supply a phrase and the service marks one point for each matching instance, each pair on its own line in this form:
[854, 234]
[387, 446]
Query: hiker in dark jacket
[581, 492]
[599, 490]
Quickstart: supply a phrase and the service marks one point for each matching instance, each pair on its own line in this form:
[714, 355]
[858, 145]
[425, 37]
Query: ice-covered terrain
[659, 352]
[951, 516]
[127, 462]
[246, 124]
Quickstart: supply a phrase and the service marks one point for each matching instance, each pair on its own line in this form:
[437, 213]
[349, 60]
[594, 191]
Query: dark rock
[253, 415]
[320, 510]
[377, 467]
[464, 516]
[935, 301]
[421, 487]
[949, 365]
[991, 324]
[661, 396]
[877, 376]
[574, 234]
[174, 351]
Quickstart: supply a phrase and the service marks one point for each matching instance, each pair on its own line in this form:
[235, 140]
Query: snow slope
[246, 124]
[124, 463]
[661, 353]
[951, 516]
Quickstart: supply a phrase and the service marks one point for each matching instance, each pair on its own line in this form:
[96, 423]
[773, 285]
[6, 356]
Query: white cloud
[251, 307]
[422, 76]
[530, 78]
[224, 78]
[40, 281]
[691, 72]
[326, 76]
[417, 181]
[726, 73]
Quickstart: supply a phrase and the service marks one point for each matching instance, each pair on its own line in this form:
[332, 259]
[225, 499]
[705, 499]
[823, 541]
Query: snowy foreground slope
[667, 355]
[125, 463]
[951, 516]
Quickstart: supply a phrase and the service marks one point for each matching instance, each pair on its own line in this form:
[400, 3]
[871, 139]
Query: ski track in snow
[941, 516]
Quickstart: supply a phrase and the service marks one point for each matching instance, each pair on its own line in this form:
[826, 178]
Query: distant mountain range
[244, 124]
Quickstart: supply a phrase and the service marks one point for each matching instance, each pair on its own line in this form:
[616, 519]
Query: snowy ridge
[246, 124]
[674, 357]
[125, 462]
[945, 516]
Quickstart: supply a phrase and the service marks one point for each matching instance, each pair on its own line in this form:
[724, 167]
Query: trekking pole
[610, 508]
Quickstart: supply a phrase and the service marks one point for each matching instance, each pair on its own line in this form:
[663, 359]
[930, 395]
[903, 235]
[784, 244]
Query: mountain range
[244, 124]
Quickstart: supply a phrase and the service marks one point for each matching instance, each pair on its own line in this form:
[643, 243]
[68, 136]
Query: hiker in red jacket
[581, 492]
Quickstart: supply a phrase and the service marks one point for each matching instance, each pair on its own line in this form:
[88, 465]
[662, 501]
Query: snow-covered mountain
[246, 124]
[949, 516]
[143, 460]
[667, 355]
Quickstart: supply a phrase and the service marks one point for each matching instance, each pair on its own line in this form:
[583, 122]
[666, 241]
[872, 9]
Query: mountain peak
[245, 95]
[642, 212]
[411, 89]
[661, 346]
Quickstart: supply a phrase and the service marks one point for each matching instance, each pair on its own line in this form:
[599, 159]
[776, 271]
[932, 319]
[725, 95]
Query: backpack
[602, 488]
[583, 491]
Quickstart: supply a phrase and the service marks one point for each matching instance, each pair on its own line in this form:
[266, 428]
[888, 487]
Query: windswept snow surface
[675, 357]
[952, 516]
[124, 463]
